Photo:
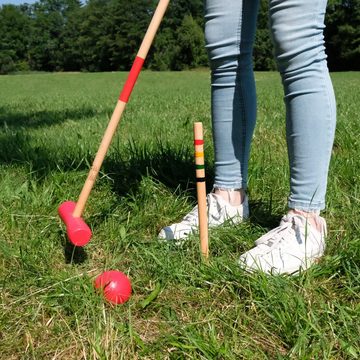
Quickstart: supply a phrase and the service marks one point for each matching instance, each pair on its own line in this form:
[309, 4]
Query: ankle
[313, 218]
[235, 197]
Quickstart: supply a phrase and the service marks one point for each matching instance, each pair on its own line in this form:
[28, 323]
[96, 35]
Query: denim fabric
[297, 32]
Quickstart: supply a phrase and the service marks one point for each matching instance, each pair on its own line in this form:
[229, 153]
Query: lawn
[51, 125]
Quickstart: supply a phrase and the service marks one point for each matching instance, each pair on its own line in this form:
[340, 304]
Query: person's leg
[229, 31]
[297, 29]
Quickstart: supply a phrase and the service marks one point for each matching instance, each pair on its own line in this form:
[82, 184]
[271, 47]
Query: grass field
[51, 125]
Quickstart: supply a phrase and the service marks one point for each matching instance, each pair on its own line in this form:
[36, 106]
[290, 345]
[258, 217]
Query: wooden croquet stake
[201, 188]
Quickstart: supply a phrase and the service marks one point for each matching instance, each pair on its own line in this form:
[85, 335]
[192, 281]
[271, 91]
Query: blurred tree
[14, 29]
[92, 36]
[263, 47]
[102, 35]
[180, 42]
[47, 33]
[342, 34]
[190, 45]
[130, 21]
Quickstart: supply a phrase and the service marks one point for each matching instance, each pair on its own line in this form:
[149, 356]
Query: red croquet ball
[115, 285]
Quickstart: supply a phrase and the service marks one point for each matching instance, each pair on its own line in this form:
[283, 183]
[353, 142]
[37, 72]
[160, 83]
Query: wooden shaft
[99, 158]
[201, 188]
[154, 25]
[120, 106]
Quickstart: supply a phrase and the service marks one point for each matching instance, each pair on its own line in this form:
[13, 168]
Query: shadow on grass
[42, 118]
[261, 213]
[169, 164]
[74, 254]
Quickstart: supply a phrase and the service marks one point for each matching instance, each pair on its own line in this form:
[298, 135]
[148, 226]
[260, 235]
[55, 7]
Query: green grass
[51, 125]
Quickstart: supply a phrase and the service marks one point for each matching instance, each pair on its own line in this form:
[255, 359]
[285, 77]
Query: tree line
[104, 35]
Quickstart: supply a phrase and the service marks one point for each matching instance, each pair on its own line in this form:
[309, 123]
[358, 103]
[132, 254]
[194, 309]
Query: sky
[16, 2]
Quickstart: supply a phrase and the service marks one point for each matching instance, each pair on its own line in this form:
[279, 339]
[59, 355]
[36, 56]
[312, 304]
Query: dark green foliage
[187, 50]
[191, 43]
[263, 51]
[128, 21]
[14, 28]
[343, 34]
[48, 23]
[263, 47]
[7, 64]
[104, 35]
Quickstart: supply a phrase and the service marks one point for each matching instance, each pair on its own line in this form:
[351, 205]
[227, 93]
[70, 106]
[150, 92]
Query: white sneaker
[219, 211]
[294, 245]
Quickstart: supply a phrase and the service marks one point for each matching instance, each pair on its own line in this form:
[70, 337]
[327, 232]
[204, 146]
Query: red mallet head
[116, 286]
[77, 230]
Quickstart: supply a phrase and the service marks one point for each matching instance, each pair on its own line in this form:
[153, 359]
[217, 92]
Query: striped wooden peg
[201, 188]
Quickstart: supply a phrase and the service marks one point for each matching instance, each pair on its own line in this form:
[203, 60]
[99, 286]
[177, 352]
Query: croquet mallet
[70, 212]
[201, 188]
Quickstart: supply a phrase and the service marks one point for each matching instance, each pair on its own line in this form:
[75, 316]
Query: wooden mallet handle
[201, 188]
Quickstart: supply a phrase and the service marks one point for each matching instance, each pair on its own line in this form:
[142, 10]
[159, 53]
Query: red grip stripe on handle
[131, 80]
[198, 142]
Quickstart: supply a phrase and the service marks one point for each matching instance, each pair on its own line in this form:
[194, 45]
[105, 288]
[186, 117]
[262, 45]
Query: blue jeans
[297, 32]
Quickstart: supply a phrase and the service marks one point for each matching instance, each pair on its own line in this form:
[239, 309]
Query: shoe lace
[288, 223]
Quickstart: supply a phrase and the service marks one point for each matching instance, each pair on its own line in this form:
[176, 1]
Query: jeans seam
[327, 96]
[329, 116]
[241, 100]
